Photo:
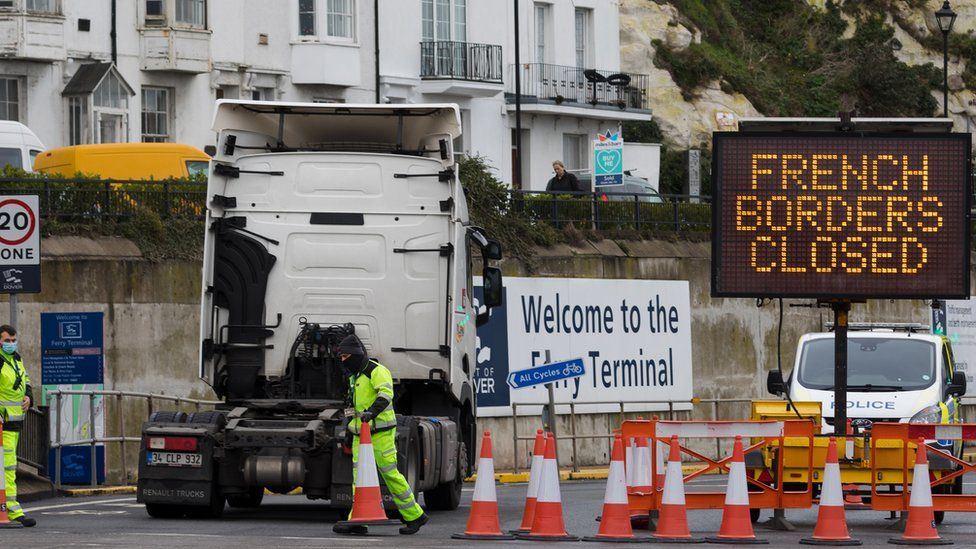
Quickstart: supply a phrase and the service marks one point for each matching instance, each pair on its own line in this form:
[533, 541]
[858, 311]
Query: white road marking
[174, 535]
[84, 512]
[300, 538]
[76, 504]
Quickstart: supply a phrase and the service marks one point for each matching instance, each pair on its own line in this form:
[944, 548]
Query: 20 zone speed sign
[20, 245]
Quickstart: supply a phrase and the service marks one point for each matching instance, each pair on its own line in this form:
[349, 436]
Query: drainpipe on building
[376, 45]
[115, 53]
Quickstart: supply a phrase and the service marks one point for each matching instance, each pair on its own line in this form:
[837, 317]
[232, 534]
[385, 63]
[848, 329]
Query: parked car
[18, 145]
[125, 160]
[631, 186]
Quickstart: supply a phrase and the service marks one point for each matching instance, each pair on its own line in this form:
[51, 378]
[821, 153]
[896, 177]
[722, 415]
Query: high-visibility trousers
[384, 448]
[10, 439]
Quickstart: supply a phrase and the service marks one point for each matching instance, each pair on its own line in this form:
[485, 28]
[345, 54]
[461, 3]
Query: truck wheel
[447, 496]
[162, 511]
[250, 500]
[168, 417]
[214, 510]
[208, 418]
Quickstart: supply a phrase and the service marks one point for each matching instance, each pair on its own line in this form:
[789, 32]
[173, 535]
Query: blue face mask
[10, 347]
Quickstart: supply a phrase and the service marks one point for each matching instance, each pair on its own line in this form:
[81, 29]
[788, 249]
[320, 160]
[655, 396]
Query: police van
[896, 373]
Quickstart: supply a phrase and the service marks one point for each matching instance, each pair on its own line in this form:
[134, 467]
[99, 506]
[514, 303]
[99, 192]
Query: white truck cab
[896, 373]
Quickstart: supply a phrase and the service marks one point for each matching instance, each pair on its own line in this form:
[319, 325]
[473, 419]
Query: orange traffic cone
[920, 526]
[483, 519]
[641, 481]
[831, 526]
[5, 521]
[367, 502]
[736, 524]
[615, 521]
[547, 524]
[535, 473]
[672, 525]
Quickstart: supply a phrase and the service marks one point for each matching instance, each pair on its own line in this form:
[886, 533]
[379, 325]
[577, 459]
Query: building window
[541, 22]
[306, 17]
[582, 37]
[9, 99]
[192, 13]
[574, 151]
[340, 17]
[101, 116]
[263, 94]
[43, 6]
[78, 120]
[7, 4]
[156, 123]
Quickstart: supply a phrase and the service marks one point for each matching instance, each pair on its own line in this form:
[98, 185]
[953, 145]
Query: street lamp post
[945, 17]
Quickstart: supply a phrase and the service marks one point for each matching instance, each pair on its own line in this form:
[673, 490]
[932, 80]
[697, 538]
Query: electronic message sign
[840, 215]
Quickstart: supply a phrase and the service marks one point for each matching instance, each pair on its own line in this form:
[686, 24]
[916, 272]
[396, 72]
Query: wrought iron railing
[88, 199]
[574, 85]
[613, 210]
[34, 442]
[461, 61]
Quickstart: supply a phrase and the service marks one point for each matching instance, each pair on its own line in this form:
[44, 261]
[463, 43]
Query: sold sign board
[608, 160]
[20, 245]
[841, 215]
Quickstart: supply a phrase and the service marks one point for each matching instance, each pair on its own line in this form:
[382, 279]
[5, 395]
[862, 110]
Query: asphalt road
[294, 522]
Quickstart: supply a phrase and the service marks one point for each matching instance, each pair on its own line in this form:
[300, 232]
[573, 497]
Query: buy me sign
[608, 160]
[841, 215]
[20, 244]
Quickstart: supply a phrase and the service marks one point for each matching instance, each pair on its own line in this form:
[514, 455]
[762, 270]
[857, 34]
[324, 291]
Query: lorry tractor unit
[324, 221]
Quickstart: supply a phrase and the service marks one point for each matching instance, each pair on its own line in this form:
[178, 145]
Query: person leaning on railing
[15, 399]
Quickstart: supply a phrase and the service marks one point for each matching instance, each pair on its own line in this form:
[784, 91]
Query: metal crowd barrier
[32, 448]
[93, 441]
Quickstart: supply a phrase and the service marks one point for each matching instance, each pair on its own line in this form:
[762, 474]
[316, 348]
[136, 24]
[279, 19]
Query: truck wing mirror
[492, 250]
[957, 387]
[774, 382]
[492, 285]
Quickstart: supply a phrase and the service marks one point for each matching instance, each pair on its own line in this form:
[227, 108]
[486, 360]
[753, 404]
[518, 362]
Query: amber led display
[833, 216]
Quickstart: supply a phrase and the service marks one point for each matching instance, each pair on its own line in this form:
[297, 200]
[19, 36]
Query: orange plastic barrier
[761, 434]
[906, 434]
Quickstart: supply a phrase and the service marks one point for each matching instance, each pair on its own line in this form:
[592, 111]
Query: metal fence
[564, 84]
[116, 422]
[93, 199]
[615, 210]
[34, 443]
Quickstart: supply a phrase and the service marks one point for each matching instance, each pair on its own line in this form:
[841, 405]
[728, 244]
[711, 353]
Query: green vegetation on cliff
[790, 59]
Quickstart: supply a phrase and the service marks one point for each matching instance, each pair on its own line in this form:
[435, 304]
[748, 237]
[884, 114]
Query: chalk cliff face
[689, 121]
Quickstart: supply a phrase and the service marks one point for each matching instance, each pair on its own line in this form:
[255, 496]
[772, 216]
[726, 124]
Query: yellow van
[125, 161]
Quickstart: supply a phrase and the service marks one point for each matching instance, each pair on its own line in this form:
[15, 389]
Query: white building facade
[153, 68]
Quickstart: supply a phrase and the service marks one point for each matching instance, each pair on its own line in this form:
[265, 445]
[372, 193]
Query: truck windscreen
[873, 364]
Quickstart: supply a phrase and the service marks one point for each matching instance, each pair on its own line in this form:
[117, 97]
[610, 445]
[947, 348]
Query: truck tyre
[162, 511]
[168, 417]
[447, 496]
[250, 500]
[214, 510]
[208, 418]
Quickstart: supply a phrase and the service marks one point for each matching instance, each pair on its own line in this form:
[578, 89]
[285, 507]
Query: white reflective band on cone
[616, 489]
[366, 472]
[737, 492]
[674, 490]
[629, 458]
[921, 490]
[849, 448]
[831, 492]
[534, 473]
[642, 472]
[484, 486]
[713, 429]
[549, 487]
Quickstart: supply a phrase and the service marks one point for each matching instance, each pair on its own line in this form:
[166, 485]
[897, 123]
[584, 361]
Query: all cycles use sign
[840, 215]
[20, 245]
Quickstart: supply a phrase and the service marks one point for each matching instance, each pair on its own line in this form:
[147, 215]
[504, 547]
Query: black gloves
[366, 416]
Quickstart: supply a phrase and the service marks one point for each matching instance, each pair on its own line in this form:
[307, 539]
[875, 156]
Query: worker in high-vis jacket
[15, 399]
[371, 389]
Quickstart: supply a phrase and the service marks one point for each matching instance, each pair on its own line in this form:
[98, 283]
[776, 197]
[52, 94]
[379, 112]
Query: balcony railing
[461, 61]
[573, 85]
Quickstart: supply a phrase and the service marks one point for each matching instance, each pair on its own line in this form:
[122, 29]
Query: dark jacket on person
[566, 183]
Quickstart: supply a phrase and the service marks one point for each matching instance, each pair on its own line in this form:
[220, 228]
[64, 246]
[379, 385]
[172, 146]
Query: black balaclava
[351, 345]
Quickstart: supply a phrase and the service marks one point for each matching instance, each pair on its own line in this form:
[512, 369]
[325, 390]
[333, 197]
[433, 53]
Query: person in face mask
[16, 398]
[371, 389]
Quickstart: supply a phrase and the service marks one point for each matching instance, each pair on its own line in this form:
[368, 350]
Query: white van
[18, 145]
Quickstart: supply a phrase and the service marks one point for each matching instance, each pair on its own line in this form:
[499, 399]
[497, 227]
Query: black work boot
[414, 525]
[26, 521]
[359, 529]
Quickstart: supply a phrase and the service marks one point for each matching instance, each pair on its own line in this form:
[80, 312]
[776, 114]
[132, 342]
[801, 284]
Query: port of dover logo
[608, 159]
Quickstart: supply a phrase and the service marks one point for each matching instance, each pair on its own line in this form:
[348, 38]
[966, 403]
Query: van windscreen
[873, 364]
[11, 157]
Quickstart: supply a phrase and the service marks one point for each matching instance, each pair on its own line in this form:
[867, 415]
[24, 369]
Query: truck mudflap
[183, 471]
